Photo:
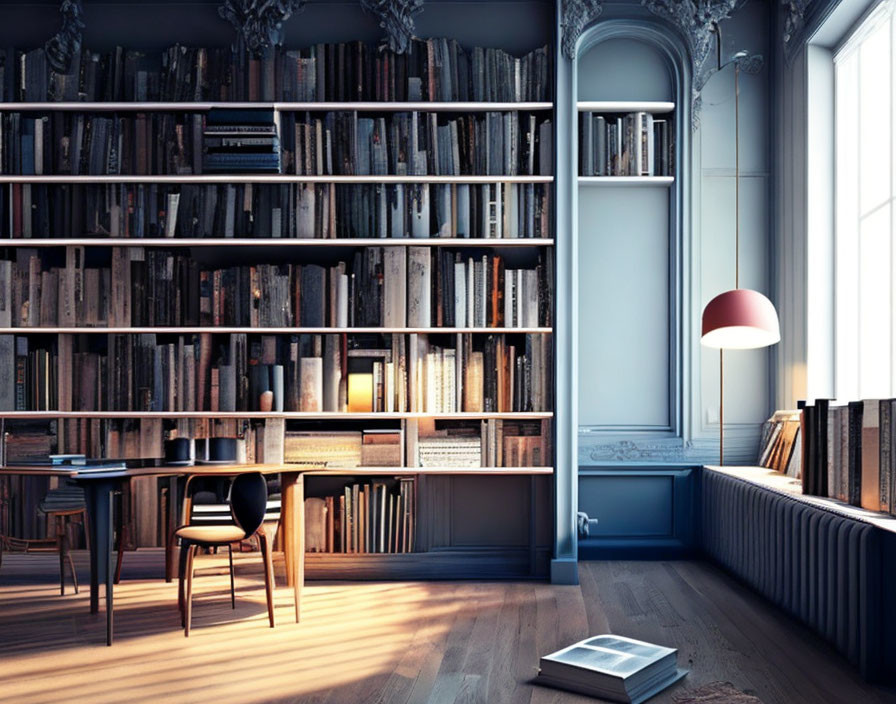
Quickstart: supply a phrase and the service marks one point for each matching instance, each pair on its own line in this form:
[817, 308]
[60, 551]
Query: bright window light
[865, 256]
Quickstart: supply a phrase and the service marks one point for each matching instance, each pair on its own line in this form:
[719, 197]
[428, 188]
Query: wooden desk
[99, 486]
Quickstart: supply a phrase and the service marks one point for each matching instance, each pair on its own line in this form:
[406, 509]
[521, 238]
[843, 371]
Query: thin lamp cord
[736, 175]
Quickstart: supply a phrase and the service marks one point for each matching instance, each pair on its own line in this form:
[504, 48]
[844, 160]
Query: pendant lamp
[740, 318]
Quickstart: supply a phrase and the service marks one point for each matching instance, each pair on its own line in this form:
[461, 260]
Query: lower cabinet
[641, 512]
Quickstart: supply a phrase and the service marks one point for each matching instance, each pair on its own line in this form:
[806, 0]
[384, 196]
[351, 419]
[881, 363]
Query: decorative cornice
[794, 17]
[62, 47]
[575, 15]
[696, 20]
[397, 19]
[260, 22]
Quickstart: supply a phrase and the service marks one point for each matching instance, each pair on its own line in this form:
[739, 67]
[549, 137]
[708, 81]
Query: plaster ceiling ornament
[397, 19]
[697, 21]
[575, 16]
[260, 22]
[794, 21]
[62, 47]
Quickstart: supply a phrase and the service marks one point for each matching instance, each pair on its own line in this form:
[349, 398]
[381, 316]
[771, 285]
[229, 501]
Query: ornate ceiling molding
[697, 21]
[575, 15]
[260, 22]
[794, 18]
[62, 47]
[397, 19]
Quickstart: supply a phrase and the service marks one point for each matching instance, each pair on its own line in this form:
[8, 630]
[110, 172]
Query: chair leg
[67, 551]
[71, 566]
[122, 539]
[188, 597]
[170, 545]
[232, 590]
[268, 574]
[181, 577]
[60, 548]
[86, 531]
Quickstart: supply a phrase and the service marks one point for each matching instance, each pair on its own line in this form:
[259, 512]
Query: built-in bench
[831, 565]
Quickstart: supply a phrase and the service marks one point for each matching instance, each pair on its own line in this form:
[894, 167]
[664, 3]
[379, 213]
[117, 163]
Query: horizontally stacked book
[240, 141]
[365, 517]
[633, 144]
[436, 69]
[316, 211]
[841, 451]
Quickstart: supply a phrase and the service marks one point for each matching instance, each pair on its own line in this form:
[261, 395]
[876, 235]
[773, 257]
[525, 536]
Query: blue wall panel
[628, 506]
[642, 512]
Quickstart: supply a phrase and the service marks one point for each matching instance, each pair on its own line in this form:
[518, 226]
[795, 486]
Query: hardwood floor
[393, 642]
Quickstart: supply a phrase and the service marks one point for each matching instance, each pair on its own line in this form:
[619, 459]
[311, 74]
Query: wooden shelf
[625, 106]
[287, 415]
[276, 242]
[330, 106]
[267, 178]
[631, 181]
[224, 330]
[489, 471]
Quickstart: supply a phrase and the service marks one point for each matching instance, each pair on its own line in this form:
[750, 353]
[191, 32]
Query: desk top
[790, 486]
[88, 473]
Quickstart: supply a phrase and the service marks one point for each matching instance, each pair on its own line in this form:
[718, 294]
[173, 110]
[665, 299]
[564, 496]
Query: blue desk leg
[99, 494]
[90, 497]
[110, 582]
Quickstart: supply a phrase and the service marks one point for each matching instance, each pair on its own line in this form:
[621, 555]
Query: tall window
[865, 255]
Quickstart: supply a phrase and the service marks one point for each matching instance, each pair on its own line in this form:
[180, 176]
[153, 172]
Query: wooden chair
[248, 507]
[61, 506]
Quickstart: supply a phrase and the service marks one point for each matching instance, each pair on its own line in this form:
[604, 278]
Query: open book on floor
[611, 667]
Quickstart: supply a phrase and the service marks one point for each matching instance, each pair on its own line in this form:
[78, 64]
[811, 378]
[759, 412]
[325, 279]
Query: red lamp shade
[740, 319]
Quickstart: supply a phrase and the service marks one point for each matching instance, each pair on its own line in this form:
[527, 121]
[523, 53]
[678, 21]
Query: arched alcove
[629, 234]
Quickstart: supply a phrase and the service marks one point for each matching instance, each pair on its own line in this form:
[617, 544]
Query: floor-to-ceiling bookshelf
[489, 520]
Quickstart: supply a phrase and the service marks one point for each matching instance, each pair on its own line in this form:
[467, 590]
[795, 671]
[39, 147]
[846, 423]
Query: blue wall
[648, 261]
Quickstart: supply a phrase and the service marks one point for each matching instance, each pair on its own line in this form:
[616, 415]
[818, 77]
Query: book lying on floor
[611, 667]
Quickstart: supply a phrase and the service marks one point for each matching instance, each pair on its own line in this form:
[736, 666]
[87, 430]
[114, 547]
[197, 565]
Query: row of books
[418, 144]
[393, 287]
[376, 516]
[240, 141]
[844, 451]
[325, 211]
[434, 69]
[313, 373]
[634, 144]
[103, 143]
[448, 443]
[849, 452]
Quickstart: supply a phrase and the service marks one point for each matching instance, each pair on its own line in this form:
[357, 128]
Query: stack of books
[610, 667]
[237, 140]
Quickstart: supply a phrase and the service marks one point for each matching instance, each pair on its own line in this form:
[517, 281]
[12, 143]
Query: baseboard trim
[565, 571]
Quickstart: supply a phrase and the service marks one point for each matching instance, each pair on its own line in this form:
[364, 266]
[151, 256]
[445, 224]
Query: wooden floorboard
[382, 642]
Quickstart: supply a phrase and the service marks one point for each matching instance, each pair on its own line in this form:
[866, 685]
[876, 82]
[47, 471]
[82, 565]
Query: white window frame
[835, 41]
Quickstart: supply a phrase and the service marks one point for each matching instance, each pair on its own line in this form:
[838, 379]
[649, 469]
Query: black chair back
[248, 501]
